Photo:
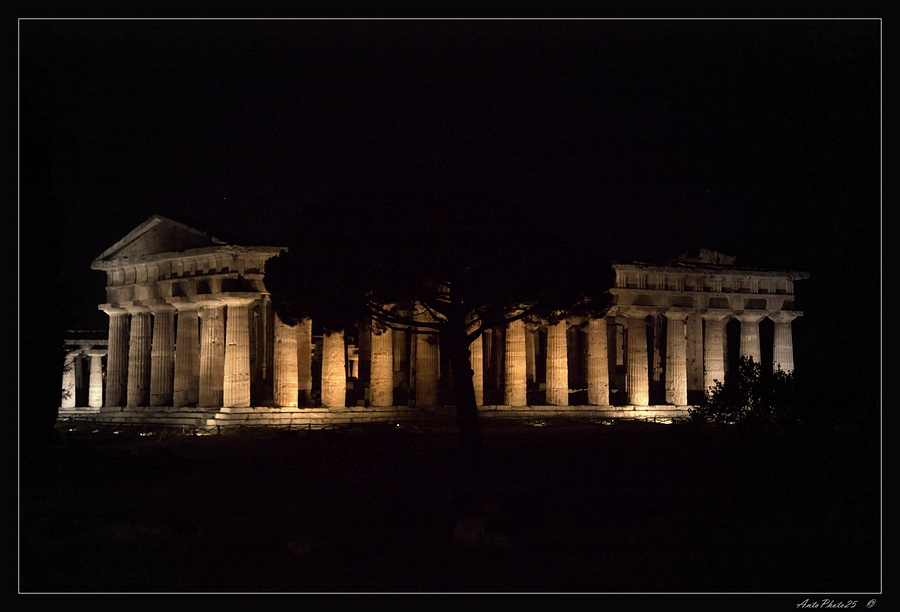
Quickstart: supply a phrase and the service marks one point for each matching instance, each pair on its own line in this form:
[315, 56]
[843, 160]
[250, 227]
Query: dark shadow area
[564, 507]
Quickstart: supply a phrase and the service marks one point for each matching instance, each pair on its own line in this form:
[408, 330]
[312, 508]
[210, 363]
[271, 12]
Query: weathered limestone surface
[334, 371]
[95, 389]
[784, 341]
[286, 387]
[236, 390]
[476, 359]
[676, 357]
[117, 361]
[750, 334]
[212, 353]
[428, 367]
[597, 362]
[637, 381]
[557, 365]
[304, 360]
[187, 355]
[715, 348]
[515, 383]
[139, 356]
[162, 355]
[381, 386]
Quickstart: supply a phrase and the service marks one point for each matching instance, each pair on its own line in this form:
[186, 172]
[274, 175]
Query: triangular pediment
[155, 236]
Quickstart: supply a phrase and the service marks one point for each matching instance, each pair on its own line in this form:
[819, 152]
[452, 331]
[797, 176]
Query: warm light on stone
[557, 365]
[334, 371]
[515, 379]
[191, 325]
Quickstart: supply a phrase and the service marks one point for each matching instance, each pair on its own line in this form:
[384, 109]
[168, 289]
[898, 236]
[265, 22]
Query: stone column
[476, 359]
[334, 370]
[236, 381]
[783, 353]
[285, 380]
[750, 334]
[530, 361]
[186, 390]
[557, 365]
[212, 353]
[428, 366]
[676, 357]
[139, 356]
[637, 379]
[162, 355]
[304, 360]
[117, 361]
[68, 380]
[694, 333]
[515, 382]
[597, 363]
[95, 388]
[714, 349]
[381, 377]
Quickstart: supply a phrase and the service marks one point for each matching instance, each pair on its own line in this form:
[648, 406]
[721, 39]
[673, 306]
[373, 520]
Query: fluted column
[304, 360]
[381, 378]
[186, 390]
[557, 365]
[637, 379]
[783, 353]
[162, 355]
[95, 385]
[428, 366]
[117, 361]
[676, 357]
[68, 380]
[750, 334]
[597, 363]
[476, 359]
[515, 382]
[139, 347]
[285, 379]
[334, 370]
[236, 381]
[714, 348]
[212, 353]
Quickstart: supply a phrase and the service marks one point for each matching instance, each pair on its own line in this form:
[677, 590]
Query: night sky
[757, 138]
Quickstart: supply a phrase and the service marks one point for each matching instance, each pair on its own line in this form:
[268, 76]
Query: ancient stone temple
[193, 340]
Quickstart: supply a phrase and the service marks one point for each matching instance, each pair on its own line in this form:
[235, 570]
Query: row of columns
[210, 368]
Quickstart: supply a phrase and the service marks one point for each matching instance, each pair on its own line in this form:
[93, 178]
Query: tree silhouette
[451, 266]
[753, 395]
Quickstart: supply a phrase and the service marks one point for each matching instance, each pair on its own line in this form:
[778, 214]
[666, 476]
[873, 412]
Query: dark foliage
[753, 395]
[454, 265]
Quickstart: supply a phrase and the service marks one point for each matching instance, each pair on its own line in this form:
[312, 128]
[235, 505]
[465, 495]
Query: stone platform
[318, 417]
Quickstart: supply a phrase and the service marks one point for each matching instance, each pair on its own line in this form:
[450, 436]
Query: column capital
[183, 303]
[137, 308]
[97, 352]
[112, 309]
[239, 299]
[716, 315]
[638, 311]
[784, 316]
[751, 316]
[160, 306]
[677, 313]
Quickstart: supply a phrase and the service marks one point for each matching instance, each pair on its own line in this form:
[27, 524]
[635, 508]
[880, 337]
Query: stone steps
[263, 416]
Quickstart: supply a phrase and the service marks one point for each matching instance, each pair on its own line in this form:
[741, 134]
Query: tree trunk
[464, 389]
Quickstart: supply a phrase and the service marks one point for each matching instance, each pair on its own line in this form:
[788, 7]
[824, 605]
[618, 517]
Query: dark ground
[630, 507]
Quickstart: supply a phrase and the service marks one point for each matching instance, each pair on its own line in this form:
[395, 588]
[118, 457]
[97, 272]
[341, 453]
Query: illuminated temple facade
[193, 339]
